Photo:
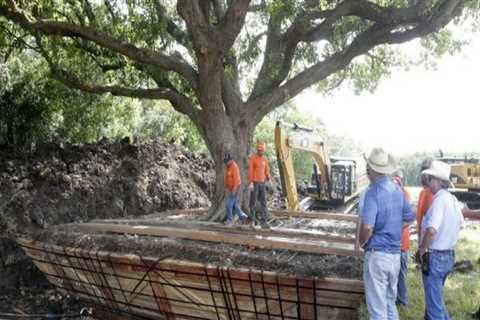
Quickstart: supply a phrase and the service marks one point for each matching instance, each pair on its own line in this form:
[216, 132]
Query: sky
[416, 110]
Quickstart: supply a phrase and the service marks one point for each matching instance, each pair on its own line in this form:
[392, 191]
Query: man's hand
[235, 192]
[250, 186]
[366, 232]
[419, 255]
[426, 241]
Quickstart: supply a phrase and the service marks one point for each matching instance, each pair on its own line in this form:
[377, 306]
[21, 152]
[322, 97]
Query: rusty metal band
[211, 292]
[267, 308]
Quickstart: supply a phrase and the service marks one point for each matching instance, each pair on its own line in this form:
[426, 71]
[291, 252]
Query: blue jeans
[380, 276]
[233, 208]
[402, 294]
[440, 266]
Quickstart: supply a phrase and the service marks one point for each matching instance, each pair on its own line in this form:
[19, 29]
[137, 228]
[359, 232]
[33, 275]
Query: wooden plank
[293, 234]
[211, 226]
[212, 236]
[314, 215]
[275, 212]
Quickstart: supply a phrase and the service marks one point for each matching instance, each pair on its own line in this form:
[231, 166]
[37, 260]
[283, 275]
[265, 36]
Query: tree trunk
[228, 134]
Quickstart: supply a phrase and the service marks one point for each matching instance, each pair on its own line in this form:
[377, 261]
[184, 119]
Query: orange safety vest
[405, 238]
[258, 170]
[424, 202]
[232, 176]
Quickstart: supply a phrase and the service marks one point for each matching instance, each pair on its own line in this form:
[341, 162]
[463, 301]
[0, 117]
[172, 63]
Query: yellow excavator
[465, 176]
[336, 181]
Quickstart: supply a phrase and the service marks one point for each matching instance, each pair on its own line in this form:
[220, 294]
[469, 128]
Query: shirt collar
[439, 192]
[382, 180]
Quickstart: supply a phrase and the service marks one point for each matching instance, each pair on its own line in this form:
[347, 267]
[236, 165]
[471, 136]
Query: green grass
[462, 290]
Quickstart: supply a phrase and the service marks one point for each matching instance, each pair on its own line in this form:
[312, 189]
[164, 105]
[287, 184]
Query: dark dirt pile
[56, 183]
[59, 184]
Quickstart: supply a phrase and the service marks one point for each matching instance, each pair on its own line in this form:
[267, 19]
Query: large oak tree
[223, 63]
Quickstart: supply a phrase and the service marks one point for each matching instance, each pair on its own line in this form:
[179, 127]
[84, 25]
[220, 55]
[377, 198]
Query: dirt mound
[57, 183]
[66, 183]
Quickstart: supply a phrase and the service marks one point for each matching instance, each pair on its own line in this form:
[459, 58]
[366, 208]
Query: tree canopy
[199, 55]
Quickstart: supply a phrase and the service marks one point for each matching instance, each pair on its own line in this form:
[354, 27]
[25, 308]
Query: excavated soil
[56, 183]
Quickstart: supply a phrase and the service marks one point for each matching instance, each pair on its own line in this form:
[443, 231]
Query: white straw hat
[380, 161]
[439, 170]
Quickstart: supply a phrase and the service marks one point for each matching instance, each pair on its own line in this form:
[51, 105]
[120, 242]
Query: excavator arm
[285, 167]
[302, 139]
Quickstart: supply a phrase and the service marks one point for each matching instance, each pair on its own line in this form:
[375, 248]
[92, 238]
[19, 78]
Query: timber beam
[255, 240]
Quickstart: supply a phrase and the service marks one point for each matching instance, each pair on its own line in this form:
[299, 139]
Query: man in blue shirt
[384, 214]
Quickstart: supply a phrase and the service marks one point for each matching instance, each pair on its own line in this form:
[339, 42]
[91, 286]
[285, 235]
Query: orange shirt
[232, 176]
[405, 238]
[258, 170]
[424, 202]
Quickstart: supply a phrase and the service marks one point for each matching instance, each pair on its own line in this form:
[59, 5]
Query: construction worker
[232, 182]
[385, 211]
[425, 197]
[402, 293]
[258, 174]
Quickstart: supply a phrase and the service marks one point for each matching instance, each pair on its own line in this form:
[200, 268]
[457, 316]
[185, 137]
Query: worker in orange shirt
[402, 294]
[232, 183]
[258, 174]
[425, 198]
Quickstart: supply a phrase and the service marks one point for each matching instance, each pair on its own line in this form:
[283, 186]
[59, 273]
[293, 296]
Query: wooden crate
[159, 288]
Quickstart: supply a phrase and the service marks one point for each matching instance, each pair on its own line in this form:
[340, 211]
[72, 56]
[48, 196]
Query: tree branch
[139, 55]
[232, 22]
[281, 49]
[173, 30]
[374, 36]
[89, 12]
[197, 25]
[178, 101]
[270, 76]
[219, 8]
[111, 10]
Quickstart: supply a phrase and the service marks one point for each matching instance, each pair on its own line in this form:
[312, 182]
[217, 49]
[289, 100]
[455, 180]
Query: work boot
[229, 223]
[242, 217]
[265, 225]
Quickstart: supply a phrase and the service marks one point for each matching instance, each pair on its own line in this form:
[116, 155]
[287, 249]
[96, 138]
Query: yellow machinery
[335, 181]
[466, 175]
